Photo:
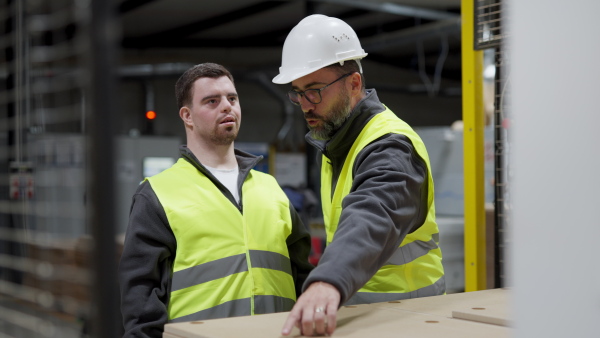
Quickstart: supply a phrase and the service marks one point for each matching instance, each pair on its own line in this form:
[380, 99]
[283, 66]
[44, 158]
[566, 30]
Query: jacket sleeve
[298, 243]
[145, 266]
[387, 201]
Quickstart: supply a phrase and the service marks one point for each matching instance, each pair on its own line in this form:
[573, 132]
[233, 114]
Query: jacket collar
[245, 160]
[340, 143]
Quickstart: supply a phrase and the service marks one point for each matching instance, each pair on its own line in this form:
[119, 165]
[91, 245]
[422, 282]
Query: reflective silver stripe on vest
[209, 271]
[413, 250]
[270, 260]
[234, 308]
[270, 304]
[435, 289]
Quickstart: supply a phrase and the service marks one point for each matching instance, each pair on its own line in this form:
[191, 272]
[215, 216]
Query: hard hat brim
[283, 77]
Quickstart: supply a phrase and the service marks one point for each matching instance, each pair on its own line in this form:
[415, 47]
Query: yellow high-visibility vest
[228, 263]
[415, 270]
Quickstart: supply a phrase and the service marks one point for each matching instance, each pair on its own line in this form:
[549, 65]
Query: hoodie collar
[246, 161]
[341, 142]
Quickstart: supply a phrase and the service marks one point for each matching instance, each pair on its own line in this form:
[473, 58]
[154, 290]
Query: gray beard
[339, 114]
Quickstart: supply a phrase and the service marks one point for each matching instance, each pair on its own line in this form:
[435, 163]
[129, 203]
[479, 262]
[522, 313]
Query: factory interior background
[87, 110]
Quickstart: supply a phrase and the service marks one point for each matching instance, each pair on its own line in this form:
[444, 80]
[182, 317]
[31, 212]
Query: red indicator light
[150, 115]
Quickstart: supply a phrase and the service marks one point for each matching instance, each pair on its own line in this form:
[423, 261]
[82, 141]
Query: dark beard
[339, 114]
[223, 139]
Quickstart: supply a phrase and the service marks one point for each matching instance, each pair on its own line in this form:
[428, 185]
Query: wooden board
[168, 335]
[485, 313]
[372, 320]
[248, 327]
[445, 305]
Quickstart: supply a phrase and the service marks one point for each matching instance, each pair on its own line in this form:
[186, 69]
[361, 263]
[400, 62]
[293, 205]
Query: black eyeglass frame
[294, 93]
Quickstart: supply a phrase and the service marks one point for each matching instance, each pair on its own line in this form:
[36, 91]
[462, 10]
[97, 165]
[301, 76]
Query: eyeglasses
[312, 95]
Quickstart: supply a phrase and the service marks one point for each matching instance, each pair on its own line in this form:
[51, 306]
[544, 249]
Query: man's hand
[315, 311]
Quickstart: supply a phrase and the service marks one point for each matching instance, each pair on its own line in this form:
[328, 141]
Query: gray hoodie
[387, 201]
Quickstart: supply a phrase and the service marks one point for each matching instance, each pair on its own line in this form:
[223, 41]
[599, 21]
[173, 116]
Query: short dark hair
[350, 66]
[185, 84]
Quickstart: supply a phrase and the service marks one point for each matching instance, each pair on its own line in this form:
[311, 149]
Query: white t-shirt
[229, 178]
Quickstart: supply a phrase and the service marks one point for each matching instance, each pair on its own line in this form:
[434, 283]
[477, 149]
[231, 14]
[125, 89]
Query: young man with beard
[376, 184]
[209, 237]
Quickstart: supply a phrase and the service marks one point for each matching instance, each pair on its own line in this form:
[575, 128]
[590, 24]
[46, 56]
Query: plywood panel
[373, 321]
[168, 335]
[489, 314]
[446, 304]
[353, 322]
[248, 327]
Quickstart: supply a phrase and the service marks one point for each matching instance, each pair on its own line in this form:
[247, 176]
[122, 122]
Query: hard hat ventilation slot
[341, 37]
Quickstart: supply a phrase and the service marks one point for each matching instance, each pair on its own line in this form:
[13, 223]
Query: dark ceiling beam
[272, 38]
[351, 14]
[310, 8]
[197, 43]
[412, 35]
[415, 89]
[376, 39]
[388, 27]
[391, 8]
[195, 27]
[277, 37]
[410, 62]
[129, 5]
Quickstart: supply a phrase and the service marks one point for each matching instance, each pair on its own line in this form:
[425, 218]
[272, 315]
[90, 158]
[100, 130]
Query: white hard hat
[316, 42]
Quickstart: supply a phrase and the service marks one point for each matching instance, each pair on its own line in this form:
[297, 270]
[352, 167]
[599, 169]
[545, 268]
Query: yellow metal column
[473, 149]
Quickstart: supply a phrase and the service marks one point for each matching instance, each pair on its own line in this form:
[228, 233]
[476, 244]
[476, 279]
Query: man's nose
[306, 105]
[226, 104]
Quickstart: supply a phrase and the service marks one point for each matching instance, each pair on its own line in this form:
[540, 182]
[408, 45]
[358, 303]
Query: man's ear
[356, 82]
[186, 115]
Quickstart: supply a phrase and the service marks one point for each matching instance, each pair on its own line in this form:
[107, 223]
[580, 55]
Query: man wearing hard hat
[376, 184]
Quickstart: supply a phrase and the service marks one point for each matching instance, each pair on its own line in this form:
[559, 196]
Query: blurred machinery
[57, 239]
[445, 148]
[137, 158]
